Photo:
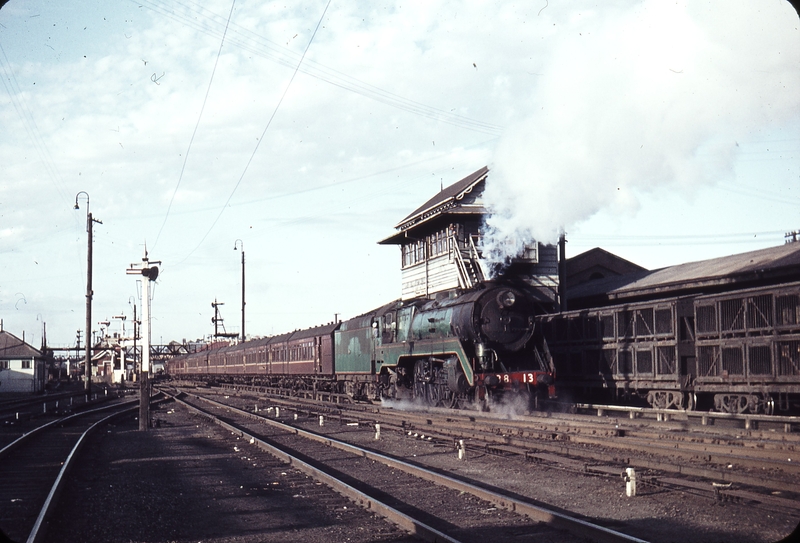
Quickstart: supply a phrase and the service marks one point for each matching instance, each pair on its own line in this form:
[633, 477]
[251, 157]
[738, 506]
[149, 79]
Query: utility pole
[241, 243]
[88, 355]
[150, 273]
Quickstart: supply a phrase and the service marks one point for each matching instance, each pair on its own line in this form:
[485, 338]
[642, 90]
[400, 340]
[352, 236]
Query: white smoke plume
[628, 101]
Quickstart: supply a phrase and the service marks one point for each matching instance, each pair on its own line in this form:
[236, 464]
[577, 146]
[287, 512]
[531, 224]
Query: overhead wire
[197, 124]
[645, 240]
[263, 133]
[29, 122]
[39, 143]
[209, 22]
[261, 46]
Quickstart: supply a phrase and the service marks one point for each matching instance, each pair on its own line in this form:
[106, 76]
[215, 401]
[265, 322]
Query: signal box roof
[447, 201]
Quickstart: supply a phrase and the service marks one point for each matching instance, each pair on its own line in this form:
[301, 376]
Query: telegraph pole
[88, 354]
[240, 242]
[150, 273]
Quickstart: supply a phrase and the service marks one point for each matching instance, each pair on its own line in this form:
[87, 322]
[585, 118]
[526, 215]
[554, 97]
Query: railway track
[732, 462]
[429, 504]
[33, 468]
[774, 423]
[19, 410]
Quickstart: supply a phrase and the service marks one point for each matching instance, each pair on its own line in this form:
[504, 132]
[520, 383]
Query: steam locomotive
[466, 345]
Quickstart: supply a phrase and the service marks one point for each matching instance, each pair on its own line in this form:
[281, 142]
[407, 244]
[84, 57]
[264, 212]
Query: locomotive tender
[463, 346]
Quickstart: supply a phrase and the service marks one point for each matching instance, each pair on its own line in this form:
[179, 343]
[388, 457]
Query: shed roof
[13, 347]
[764, 266]
[598, 260]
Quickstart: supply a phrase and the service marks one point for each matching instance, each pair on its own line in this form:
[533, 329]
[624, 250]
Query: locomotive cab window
[388, 328]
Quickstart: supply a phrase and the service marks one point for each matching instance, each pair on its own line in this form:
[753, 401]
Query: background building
[22, 367]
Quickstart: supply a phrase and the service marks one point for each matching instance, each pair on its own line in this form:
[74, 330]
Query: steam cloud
[655, 96]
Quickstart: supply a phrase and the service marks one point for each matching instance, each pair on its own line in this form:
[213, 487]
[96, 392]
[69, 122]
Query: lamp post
[88, 354]
[241, 244]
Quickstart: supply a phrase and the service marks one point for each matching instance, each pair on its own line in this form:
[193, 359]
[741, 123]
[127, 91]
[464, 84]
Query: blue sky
[663, 134]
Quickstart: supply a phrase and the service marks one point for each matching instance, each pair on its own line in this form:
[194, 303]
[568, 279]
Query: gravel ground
[460, 515]
[655, 514]
[184, 481]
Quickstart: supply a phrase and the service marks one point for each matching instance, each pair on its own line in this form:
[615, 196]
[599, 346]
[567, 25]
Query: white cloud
[390, 103]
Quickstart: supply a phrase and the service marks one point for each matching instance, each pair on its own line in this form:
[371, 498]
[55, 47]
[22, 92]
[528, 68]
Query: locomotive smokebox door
[504, 321]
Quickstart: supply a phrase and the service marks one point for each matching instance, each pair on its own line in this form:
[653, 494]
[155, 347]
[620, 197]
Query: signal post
[149, 271]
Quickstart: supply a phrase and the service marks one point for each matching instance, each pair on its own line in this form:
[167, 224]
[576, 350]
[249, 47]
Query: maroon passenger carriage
[294, 359]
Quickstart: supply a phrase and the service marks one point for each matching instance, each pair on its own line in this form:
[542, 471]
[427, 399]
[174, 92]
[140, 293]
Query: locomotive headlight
[506, 298]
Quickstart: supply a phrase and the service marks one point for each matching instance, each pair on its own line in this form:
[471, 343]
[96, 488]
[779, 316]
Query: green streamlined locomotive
[468, 346]
[478, 345]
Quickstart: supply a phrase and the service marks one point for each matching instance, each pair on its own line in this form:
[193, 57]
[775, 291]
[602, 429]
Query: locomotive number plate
[525, 377]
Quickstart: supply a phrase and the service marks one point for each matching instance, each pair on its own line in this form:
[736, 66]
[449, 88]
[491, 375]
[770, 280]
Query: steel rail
[362, 499]
[522, 444]
[571, 448]
[709, 452]
[633, 412]
[37, 533]
[553, 518]
[5, 450]
[32, 408]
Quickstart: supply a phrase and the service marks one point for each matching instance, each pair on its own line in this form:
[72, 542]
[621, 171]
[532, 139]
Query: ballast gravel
[655, 514]
[187, 480]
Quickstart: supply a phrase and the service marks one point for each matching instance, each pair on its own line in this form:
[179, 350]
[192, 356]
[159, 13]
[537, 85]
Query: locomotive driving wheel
[429, 383]
[458, 401]
[453, 401]
[422, 376]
